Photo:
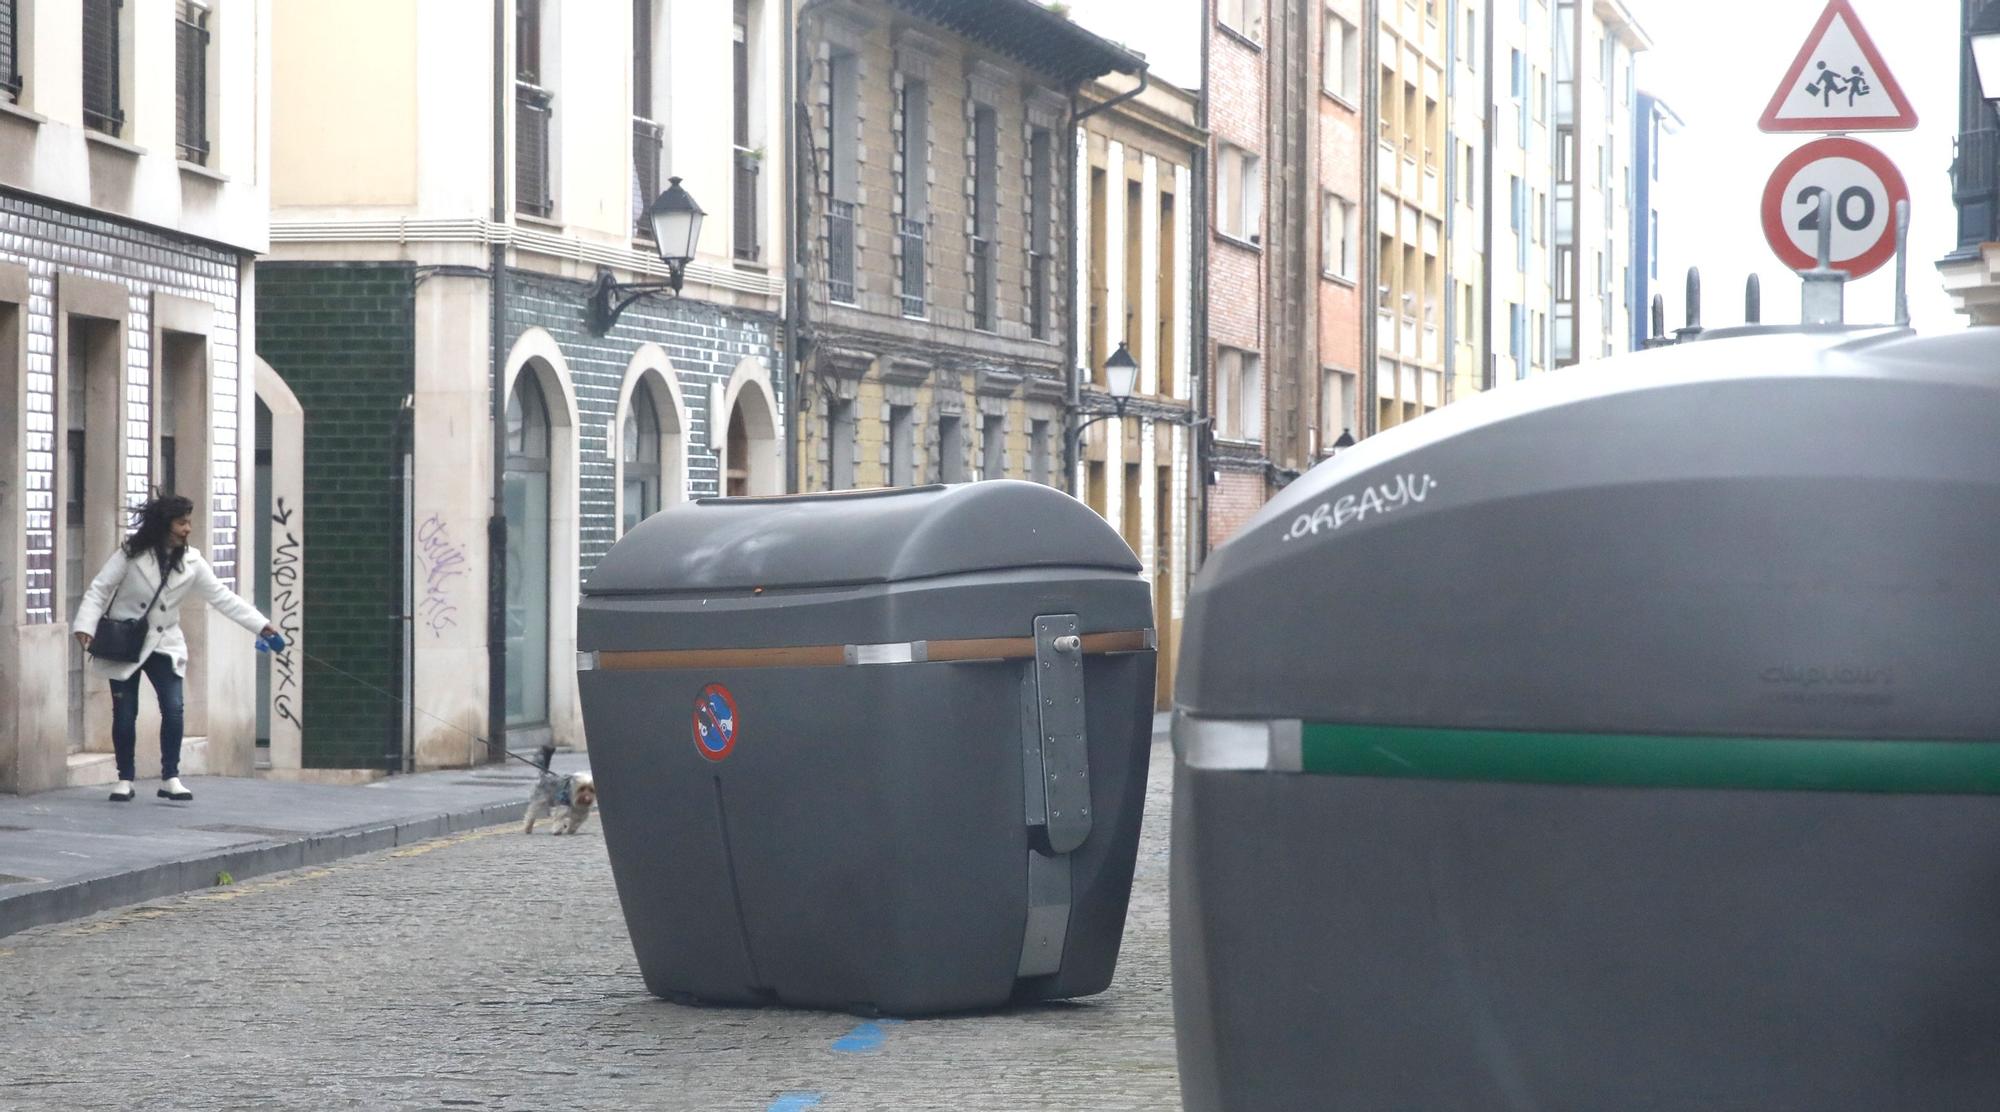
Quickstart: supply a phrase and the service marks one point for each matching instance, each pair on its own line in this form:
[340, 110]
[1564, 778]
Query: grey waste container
[1627, 739]
[880, 751]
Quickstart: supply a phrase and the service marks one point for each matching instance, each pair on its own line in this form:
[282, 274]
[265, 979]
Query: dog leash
[490, 746]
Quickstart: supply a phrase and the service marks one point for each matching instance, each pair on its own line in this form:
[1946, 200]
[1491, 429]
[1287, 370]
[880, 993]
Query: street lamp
[1121, 376]
[676, 221]
[1984, 34]
[1345, 442]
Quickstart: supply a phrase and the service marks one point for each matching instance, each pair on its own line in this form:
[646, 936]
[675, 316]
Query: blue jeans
[125, 716]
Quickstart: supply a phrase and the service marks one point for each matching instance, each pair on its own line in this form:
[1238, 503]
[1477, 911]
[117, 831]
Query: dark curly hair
[152, 531]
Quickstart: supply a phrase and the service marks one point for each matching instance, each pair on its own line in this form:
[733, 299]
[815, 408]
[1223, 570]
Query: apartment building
[1520, 192]
[936, 236]
[1594, 47]
[1139, 154]
[132, 206]
[1411, 205]
[1343, 208]
[1468, 228]
[1657, 268]
[450, 236]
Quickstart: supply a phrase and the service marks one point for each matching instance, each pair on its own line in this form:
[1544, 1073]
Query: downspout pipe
[1072, 440]
[496, 521]
[792, 376]
[1486, 363]
[1371, 108]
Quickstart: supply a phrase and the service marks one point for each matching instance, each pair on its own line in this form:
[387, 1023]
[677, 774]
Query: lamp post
[1975, 167]
[676, 221]
[1121, 375]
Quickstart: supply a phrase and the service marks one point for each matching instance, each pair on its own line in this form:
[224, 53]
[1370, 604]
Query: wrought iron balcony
[982, 283]
[840, 251]
[747, 163]
[532, 111]
[1038, 295]
[913, 268]
[646, 146]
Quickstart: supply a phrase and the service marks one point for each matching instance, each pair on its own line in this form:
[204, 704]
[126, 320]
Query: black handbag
[120, 639]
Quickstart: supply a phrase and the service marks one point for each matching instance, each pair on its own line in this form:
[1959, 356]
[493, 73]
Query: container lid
[1773, 535]
[858, 537]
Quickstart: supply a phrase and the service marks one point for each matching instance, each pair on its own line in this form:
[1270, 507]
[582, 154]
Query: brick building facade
[935, 227]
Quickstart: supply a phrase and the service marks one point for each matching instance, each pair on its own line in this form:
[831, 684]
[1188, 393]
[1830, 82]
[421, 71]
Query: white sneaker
[122, 792]
[173, 789]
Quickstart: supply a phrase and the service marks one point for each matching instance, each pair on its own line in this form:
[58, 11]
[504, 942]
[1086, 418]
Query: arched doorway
[526, 500]
[751, 454]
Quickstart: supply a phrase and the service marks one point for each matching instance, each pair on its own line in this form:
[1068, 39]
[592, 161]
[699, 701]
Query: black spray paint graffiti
[285, 603]
[443, 562]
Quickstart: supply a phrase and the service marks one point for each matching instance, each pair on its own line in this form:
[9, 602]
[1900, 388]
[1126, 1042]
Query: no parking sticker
[715, 722]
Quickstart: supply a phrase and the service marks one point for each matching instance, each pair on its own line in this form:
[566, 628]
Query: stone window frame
[917, 57]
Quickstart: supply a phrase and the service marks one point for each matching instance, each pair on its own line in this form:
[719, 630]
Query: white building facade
[452, 210]
[133, 199]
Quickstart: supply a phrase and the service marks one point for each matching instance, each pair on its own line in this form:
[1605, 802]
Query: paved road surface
[489, 970]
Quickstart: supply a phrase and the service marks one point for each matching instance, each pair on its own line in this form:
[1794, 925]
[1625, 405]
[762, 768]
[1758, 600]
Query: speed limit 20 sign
[1842, 180]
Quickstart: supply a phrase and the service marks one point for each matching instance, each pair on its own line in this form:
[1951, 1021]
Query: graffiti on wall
[444, 562]
[286, 607]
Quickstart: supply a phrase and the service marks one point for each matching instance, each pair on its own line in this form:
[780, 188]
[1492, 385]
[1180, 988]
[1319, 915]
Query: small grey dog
[573, 795]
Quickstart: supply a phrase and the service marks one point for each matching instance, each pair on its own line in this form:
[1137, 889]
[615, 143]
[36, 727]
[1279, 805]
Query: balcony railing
[747, 163]
[191, 83]
[913, 268]
[646, 146]
[532, 110]
[1038, 295]
[982, 283]
[10, 58]
[840, 251]
[102, 109]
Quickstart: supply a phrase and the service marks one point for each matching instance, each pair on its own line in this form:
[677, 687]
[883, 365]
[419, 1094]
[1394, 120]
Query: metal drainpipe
[1072, 438]
[1371, 107]
[1198, 300]
[1486, 368]
[792, 376]
[496, 522]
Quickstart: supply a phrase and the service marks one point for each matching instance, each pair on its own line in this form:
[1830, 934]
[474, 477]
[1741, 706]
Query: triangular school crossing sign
[1838, 82]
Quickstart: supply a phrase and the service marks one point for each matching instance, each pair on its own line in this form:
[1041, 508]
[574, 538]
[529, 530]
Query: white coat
[134, 580]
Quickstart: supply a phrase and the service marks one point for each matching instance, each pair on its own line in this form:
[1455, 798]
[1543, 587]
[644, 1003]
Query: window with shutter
[191, 81]
[746, 158]
[534, 106]
[647, 134]
[102, 67]
[10, 59]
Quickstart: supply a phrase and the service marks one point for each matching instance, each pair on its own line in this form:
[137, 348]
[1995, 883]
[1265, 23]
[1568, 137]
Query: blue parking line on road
[867, 1037]
[795, 1102]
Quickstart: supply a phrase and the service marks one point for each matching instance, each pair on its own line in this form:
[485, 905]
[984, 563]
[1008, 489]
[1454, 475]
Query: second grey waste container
[1629, 739]
[881, 751]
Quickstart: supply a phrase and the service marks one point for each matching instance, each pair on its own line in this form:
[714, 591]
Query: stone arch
[536, 353]
[750, 397]
[650, 365]
[281, 576]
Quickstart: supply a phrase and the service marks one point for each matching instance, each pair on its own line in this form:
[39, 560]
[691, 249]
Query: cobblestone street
[491, 970]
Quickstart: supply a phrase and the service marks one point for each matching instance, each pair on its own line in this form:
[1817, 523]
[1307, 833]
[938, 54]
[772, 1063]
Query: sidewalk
[70, 853]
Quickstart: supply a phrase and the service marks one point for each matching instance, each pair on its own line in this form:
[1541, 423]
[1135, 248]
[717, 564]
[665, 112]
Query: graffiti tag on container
[1381, 498]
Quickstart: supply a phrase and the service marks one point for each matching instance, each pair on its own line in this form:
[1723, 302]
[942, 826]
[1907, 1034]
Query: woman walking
[137, 596]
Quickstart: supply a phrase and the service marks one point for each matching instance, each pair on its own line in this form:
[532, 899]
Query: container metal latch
[1056, 782]
[1063, 817]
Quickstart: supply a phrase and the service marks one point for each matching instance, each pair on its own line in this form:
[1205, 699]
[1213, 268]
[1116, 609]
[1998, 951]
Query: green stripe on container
[1653, 761]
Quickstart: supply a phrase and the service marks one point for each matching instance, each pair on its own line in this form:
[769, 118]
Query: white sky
[1716, 62]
